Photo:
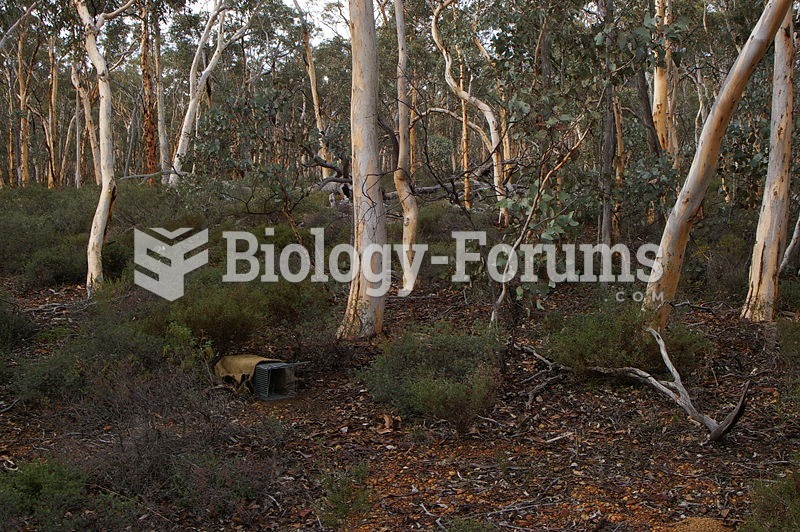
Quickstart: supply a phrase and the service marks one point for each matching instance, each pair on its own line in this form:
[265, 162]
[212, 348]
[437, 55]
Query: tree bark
[83, 95]
[669, 260]
[661, 77]
[197, 83]
[163, 137]
[609, 135]
[488, 113]
[772, 222]
[54, 174]
[92, 27]
[364, 312]
[23, 77]
[401, 175]
[149, 128]
[642, 90]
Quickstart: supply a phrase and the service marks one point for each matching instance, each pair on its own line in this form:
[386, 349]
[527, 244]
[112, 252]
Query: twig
[9, 407]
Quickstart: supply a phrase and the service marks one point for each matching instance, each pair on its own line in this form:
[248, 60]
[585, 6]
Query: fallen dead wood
[674, 389]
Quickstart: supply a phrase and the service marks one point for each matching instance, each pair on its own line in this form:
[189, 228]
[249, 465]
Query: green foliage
[183, 348]
[103, 351]
[14, 324]
[434, 372]
[51, 495]
[789, 295]
[789, 342]
[776, 505]
[62, 263]
[345, 495]
[612, 336]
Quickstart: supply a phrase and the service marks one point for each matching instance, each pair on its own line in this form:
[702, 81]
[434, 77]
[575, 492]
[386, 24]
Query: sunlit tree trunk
[51, 137]
[23, 77]
[91, 130]
[78, 140]
[489, 115]
[465, 148]
[163, 137]
[92, 27]
[661, 81]
[364, 312]
[661, 290]
[199, 78]
[772, 222]
[149, 131]
[401, 175]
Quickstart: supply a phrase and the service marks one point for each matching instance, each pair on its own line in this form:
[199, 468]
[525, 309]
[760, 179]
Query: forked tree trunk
[661, 289]
[364, 313]
[772, 222]
[83, 95]
[491, 119]
[311, 70]
[401, 175]
[91, 28]
[197, 82]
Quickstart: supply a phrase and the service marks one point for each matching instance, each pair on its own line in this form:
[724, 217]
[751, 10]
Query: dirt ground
[553, 454]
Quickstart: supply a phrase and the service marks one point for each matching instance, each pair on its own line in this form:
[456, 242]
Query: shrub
[727, 268]
[345, 495]
[612, 336]
[60, 263]
[776, 505]
[434, 372]
[789, 295]
[53, 496]
[14, 324]
[789, 342]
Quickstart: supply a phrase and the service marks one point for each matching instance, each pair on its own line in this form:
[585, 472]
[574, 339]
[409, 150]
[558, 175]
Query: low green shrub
[727, 269]
[345, 495]
[776, 505]
[61, 263]
[434, 372]
[50, 495]
[14, 324]
[612, 336]
[789, 295]
[789, 345]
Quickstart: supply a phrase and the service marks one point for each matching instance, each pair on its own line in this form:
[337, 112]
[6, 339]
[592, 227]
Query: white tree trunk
[83, 95]
[772, 222]
[91, 28]
[661, 290]
[401, 175]
[197, 83]
[364, 313]
[488, 114]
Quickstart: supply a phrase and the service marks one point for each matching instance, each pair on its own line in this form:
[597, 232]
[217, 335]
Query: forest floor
[554, 453]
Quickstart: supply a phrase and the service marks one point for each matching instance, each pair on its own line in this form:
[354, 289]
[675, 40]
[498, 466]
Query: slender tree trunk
[661, 77]
[667, 268]
[92, 27]
[149, 128]
[488, 113]
[642, 90]
[364, 313]
[401, 174]
[163, 137]
[609, 135]
[83, 95]
[54, 175]
[23, 76]
[465, 147]
[198, 82]
[78, 140]
[791, 248]
[772, 222]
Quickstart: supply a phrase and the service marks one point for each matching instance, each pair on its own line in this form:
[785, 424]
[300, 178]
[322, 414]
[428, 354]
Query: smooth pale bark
[791, 248]
[92, 27]
[364, 313]
[65, 152]
[163, 137]
[23, 77]
[465, 148]
[661, 290]
[488, 114]
[661, 74]
[78, 140]
[51, 129]
[197, 82]
[149, 132]
[609, 134]
[653, 144]
[401, 175]
[311, 71]
[91, 130]
[772, 222]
